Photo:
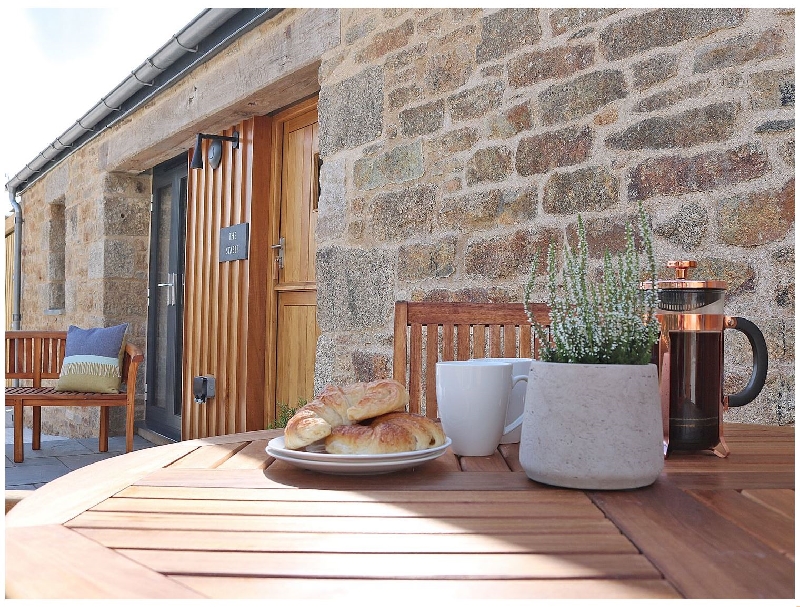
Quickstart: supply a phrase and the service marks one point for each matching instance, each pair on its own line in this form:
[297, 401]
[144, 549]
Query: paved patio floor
[57, 456]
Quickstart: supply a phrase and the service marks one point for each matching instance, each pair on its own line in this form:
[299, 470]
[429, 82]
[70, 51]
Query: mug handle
[760, 360]
[513, 425]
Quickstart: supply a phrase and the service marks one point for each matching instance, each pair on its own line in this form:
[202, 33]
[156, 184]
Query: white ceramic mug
[473, 400]
[516, 402]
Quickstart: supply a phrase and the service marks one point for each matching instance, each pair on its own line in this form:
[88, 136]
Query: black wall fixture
[214, 149]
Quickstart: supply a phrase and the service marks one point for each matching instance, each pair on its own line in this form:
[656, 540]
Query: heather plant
[608, 321]
[285, 413]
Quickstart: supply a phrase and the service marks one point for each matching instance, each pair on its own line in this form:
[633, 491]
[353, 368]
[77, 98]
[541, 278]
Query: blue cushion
[92, 360]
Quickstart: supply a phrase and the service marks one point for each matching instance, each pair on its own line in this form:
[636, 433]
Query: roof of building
[197, 42]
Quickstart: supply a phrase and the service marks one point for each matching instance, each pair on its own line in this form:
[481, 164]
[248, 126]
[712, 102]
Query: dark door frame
[166, 421]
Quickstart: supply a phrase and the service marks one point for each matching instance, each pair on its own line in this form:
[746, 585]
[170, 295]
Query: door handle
[281, 246]
[172, 276]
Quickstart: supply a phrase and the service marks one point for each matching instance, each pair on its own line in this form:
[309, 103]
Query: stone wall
[86, 232]
[458, 141]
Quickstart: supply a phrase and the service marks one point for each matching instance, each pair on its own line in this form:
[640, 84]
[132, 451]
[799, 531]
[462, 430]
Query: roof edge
[197, 42]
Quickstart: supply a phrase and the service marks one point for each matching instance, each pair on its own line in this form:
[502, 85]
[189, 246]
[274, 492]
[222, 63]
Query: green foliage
[610, 321]
[285, 413]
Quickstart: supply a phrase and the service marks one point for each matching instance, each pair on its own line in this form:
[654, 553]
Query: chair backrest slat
[38, 355]
[448, 352]
[427, 332]
[431, 356]
[494, 341]
[463, 351]
[415, 366]
[34, 355]
[479, 341]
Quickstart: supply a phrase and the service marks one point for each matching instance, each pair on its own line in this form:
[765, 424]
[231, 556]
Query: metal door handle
[171, 292]
[281, 246]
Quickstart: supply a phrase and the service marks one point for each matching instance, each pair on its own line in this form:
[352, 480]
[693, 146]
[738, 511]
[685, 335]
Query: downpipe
[16, 316]
[16, 278]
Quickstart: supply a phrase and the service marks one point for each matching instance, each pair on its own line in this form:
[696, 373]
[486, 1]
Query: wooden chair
[427, 332]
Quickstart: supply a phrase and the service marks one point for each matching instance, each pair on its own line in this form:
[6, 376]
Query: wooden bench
[37, 356]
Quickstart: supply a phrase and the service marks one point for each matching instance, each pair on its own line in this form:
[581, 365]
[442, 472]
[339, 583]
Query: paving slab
[73, 462]
[58, 456]
[37, 460]
[50, 449]
[27, 475]
[52, 461]
[115, 443]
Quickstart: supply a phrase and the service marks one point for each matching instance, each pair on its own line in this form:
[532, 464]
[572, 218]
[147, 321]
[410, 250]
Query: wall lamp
[214, 149]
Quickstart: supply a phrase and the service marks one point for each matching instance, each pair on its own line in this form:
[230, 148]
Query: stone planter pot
[592, 426]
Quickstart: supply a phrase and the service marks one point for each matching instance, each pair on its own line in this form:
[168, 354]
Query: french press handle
[760, 360]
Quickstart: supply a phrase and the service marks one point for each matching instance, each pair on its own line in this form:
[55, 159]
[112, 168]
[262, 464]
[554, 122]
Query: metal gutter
[205, 36]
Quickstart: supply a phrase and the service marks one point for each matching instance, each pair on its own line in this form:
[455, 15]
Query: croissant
[389, 433]
[343, 406]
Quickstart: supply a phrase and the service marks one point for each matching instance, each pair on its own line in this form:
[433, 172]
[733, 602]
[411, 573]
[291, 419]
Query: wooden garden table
[218, 518]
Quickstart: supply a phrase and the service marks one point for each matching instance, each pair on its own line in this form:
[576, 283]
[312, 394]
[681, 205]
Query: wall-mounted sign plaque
[233, 242]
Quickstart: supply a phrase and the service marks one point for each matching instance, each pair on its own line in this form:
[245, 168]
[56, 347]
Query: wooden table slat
[701, 553]
[327, 524]
[756, 432]
[445, 463]
[489, 463]
[281, 475]
[432, 590]
[742, 463]
[251, 457]
[779, 500]
[511, 454]
[539, 496]
[772, 528]
[731, 480]
[397, 566]
[77, 567]
[210, 456]
[337, 542]
[443, 509]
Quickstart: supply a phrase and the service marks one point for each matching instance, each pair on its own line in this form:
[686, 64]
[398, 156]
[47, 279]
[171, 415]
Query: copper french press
[689, 356]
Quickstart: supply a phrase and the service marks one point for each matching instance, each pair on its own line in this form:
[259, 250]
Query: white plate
[354, 468]
[277, 445]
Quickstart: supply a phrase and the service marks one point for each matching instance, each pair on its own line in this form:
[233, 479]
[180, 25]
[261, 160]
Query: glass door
[165, 301]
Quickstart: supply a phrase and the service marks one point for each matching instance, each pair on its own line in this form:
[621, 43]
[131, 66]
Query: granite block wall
[85, 262]
[458, 141]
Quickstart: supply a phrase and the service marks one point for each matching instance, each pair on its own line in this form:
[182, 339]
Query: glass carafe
[690, 360]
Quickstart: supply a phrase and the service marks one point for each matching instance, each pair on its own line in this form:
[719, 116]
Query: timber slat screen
[224, 301]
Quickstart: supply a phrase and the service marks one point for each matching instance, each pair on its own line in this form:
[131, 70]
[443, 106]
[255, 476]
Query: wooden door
[294, 280]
